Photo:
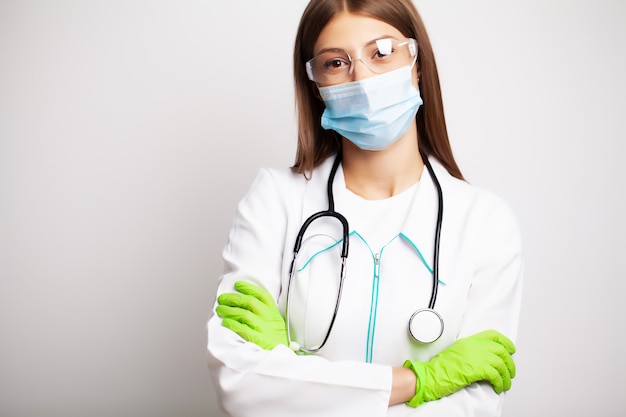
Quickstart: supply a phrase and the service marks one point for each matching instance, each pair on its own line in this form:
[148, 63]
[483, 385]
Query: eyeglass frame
[410, 42]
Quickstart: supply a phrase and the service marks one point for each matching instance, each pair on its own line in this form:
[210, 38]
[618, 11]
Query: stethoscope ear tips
[426, 325]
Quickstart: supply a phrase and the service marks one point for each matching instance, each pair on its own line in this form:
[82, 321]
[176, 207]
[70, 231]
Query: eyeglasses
[335, 66]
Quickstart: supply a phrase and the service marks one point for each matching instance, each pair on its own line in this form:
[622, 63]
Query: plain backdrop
[130, 129]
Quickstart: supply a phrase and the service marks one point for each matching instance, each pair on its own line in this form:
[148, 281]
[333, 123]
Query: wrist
[402, 386]
[418, 370]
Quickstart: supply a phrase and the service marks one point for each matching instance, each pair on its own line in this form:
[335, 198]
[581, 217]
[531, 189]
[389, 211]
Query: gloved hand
[485, 356]
[253, 314]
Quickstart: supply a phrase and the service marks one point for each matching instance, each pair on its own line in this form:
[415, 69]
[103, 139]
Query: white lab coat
[481, 282]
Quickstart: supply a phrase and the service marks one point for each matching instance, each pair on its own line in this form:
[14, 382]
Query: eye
[384, 47]
[335, 64]
[380, 54]
[380, 51]
[378, 57]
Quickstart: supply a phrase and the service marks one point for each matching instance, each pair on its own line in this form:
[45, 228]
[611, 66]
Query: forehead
[351, 31]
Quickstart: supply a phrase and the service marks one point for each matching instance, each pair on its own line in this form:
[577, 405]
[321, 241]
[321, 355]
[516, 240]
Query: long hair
[315, 143]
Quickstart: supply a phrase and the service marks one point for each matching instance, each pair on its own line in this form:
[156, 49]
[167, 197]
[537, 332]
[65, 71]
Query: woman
[371, 128]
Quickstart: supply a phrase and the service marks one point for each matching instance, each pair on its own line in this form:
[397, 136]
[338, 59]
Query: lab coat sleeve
[493, 301]
[495, 293]
[251, 381]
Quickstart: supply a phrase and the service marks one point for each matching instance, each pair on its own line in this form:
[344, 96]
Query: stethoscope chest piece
[426, 325]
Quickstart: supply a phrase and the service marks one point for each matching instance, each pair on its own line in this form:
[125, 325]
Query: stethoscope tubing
[431, 171]
[344, 253]
[344, 256]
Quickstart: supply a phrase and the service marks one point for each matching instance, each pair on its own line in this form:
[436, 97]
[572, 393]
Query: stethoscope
[425, 324]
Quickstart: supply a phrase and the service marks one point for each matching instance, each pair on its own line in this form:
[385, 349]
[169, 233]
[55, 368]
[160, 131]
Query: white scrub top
[480, 271]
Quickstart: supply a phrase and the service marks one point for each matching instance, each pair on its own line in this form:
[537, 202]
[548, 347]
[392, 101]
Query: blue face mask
[372, 113]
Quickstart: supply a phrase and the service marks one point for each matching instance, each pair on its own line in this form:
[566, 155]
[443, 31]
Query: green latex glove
[485, 356]
[253, 314]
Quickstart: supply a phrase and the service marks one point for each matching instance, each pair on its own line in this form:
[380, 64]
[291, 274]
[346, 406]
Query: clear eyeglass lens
[334, 66]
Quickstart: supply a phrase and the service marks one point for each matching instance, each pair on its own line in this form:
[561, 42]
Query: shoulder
[268, 179]
[279, 186]
[268, 190]
[287, 180]
[478, 208]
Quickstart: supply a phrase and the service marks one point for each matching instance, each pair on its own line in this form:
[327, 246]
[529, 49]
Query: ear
[418, 75]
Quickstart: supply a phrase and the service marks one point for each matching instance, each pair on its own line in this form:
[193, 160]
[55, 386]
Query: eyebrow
[334, 49]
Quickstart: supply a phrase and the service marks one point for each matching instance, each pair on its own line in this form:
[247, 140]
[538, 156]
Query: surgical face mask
[372, 113]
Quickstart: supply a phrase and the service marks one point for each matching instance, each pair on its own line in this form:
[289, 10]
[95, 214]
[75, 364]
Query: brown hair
[315, 143]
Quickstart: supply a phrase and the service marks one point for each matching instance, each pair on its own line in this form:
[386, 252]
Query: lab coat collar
[419, 227]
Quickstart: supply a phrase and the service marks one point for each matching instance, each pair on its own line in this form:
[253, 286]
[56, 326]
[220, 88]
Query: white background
[129, 130]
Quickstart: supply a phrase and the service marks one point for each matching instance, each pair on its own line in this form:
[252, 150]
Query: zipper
[373, 309]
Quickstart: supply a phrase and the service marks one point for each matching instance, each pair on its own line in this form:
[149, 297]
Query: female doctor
[369, 279]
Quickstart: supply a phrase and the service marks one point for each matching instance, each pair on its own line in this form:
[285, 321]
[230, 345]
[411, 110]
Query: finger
[241, 315]
[496, 336]
[228, 312]
[506, 342]
[243, 301]
[247, 334]
[255, 291]
[233, 299]
[241, 329]
[494, 377]
[500, 362]
[510, 364]
[505, 356]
